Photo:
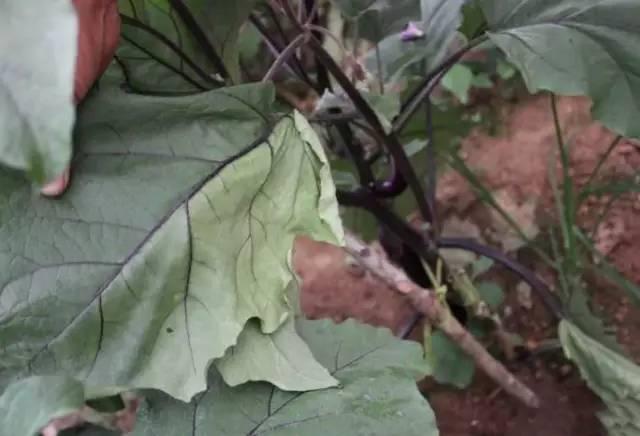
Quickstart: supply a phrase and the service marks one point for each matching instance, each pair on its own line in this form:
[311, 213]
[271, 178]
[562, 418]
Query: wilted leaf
[281, 358]
[377, 395]
[614, 378]
[575, 47]
[36, 88]
[176, 231]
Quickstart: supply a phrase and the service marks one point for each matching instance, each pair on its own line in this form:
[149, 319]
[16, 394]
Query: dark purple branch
[391, 141]
[200, 36]
[548, 297]
[428, 84]
[295, 63]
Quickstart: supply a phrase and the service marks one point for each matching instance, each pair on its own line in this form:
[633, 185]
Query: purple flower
[411, 32]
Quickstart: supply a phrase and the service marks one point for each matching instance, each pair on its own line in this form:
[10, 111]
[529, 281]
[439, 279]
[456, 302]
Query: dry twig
[426, 302]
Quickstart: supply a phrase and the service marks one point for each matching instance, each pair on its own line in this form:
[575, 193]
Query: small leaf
[482, 80]
[575, 47]
[36, 88]
[481, 266]
[452, 365]
[505, 70]
[414, 147]
[458, 81]
[491, 293]
[615, 379]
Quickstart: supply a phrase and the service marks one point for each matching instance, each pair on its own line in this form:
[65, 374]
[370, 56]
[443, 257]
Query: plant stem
[200, 36]
[429, 83]
[431, 166]
[598, 167]
[276, 48]
[546, 295]
[566, 207]
[390, 140]
[285, 56]
[427, 303]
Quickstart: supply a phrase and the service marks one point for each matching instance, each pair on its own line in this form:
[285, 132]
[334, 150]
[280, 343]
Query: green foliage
[614, 378]
[450, 364]
[36, 96]
[221, 21]
[575, 47]
[174, 228]
[458, 81]
[377, 393]
[439, 20]
[376, 19]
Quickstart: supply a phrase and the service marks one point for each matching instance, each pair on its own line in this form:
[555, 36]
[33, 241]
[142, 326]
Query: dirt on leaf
[514, 164]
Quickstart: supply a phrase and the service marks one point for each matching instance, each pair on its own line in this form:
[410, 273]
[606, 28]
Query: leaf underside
[575, 47]
[614, 378]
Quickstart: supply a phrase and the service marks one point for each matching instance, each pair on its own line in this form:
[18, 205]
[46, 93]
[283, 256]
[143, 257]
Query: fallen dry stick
[426, 303]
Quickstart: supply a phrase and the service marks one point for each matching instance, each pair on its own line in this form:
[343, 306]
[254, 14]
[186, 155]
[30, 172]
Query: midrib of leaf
[154, 229]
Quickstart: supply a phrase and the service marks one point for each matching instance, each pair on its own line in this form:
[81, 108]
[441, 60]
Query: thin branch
[431, 167]
[200, 36]
[546, 295]
[428, 304]
[429, 83]
[285, 56]
[295, 63]
[601, 162]
[391, 141]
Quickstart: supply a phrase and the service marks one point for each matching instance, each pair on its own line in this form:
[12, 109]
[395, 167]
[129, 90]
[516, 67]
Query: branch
[428, 85]
[548, 298]
[209, 50]
[285, 56]
[427, 303]
[391, 142]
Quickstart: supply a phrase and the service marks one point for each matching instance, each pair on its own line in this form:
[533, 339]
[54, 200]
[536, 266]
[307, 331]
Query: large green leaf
[439, 21]
[36, 88]
[576, 47]
[28, 405]
[614, 378]
[219, 20]
[377, 396]
[176, 231]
